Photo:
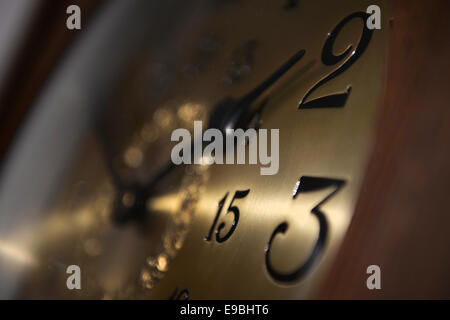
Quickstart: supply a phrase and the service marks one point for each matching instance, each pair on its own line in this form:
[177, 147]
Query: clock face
[140, 227]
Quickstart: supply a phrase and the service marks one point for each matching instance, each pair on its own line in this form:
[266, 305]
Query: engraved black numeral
[305, 184]
[234, 210]
[220, 206]
[290, 4]
[328, 58]
[180, 295]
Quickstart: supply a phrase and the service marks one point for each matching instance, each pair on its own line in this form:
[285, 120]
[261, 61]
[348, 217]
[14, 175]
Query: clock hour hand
[129, 198]
[234, 113]
[107, 154]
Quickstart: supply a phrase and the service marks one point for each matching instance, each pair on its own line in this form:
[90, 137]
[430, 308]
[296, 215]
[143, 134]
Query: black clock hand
[128, 197]
[233, 113]
[108, 155]
[130, 201]
[230, 112]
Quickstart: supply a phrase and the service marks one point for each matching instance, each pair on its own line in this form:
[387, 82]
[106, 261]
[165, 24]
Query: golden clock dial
[141, 227]
[283, 245]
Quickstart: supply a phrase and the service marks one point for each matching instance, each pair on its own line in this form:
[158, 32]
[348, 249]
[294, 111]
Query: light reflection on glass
[16, 254]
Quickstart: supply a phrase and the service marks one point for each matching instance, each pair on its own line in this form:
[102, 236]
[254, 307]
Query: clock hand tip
[299, 54]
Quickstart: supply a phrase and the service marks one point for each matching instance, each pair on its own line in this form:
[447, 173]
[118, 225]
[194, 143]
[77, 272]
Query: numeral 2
[328, 58]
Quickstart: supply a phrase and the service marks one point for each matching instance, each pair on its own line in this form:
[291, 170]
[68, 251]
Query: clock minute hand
[230, 112]
[263, 86]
